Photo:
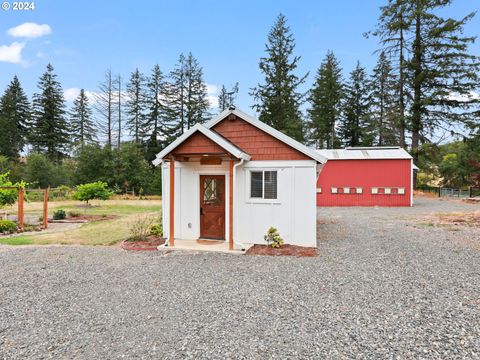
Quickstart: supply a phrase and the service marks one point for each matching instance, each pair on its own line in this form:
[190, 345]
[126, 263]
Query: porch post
[171, 239]
[230, 210]
[20, 208]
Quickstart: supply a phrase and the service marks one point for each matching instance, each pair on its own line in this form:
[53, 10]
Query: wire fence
[451, 192]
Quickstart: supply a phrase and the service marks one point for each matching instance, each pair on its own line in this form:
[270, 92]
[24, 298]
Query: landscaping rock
[383, 286]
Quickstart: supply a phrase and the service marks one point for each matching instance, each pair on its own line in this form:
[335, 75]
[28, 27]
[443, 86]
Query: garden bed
[284, 250]
[143, 245]
[84, 218]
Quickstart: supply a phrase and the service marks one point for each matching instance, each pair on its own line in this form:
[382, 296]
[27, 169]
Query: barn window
[401, 191]
[359, 190]
[263, 184]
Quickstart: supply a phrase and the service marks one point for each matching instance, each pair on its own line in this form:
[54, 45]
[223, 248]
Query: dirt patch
[284, 250]
[143, 245]
[84, 218]
[453, 218]
[475, 200]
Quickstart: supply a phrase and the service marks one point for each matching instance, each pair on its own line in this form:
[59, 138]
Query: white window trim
[249, 199]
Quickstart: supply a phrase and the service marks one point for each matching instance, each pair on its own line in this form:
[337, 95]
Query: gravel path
[383, 287]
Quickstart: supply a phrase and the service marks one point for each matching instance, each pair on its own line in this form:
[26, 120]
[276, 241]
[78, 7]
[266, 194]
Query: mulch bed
[84, 218]
[143, 245]
[284, 250]
[475, 200]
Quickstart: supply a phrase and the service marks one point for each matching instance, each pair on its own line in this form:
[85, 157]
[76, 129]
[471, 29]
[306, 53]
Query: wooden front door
[212, 206]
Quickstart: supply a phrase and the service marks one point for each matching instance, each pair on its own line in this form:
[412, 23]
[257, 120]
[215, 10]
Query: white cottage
[234, 177]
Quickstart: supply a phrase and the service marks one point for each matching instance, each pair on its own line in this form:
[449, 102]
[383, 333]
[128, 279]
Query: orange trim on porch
[230, 207]
[171, 239]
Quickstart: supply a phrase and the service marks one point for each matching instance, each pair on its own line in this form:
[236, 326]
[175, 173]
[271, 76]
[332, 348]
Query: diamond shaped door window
[210, 195]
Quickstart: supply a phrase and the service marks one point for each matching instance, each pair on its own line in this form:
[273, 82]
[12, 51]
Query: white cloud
[472, 95]
[41, 54]
[71, 94]
[12, 53]
[30, 30]
[212, 95]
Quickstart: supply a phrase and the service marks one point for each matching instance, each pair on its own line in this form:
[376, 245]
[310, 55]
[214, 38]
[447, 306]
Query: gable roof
[269, 130]
[212, 135]
[365, 153]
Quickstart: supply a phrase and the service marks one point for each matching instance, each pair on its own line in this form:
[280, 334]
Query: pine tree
[187, 94]
[325, 99]
[81, 123]
[50, 133]
[136, 106]
[197, 103]
[106, 103]
[278, 99]
[227, 98]
[15, 116]
[393, 31]
[384, 104]
[355, 125]
[156, 119]
[443, 73]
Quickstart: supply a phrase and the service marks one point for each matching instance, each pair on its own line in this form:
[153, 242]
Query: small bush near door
[273, 238]
[140, 227]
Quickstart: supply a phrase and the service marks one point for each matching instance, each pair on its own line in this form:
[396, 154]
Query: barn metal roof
[364, 153]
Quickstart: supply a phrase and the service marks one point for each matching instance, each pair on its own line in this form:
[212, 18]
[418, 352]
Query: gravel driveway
[384, 286]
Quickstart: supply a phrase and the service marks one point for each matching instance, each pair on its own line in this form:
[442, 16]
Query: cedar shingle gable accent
[255, 142]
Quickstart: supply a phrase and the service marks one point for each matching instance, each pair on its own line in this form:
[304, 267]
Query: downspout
[242, 246]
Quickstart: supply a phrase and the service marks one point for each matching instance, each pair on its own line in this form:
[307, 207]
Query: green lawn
[16, 240]
[105, 232]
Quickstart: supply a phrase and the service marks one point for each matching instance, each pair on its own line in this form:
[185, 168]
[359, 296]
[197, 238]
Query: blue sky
[84, 38]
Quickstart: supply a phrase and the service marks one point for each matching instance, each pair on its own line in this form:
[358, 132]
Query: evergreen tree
[136, 106]
[106, 103]
[393, 31]
[81, 123]
[443, 73]
[50, 133]
[188, 98]
[15, 116]
[325, 99]
[156, 119]
[355, 126]
[384, 102]
[227, 98]
[278, 100]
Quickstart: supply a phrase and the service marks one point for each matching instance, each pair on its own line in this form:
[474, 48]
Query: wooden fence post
[20, 209]
[45, 207]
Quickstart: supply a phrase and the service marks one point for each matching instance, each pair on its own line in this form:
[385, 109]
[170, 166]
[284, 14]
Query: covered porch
[198, 183]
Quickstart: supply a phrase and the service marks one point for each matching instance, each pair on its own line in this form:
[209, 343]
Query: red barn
[368, 176]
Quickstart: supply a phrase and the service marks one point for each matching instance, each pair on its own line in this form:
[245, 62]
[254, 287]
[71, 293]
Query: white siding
[293, 213]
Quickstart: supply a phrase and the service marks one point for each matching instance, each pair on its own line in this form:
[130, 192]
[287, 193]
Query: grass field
[106, 232]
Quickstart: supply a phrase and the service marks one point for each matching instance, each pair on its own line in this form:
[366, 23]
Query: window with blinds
[263, 184]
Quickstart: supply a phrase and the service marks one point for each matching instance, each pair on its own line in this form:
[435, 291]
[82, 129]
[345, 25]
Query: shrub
[74, 214]
[273, 238]
[156, 230]
[96, 190]
[59, 215]
[7, 226]
[140, 227]
[9, 197]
